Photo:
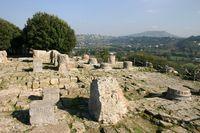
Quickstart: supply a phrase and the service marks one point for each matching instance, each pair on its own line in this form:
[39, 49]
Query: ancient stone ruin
[51, 95]
[86, 58]
[43, 111]
[3, 57]
[37, 65]
[111, 59]
[43, 55]
[127, 65]
[107, 103]
[63, 59]
[106, 66]
[54, 57]
[180, 93]
[93, 61]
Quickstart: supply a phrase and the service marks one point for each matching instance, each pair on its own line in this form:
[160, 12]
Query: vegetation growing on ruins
[47, 32]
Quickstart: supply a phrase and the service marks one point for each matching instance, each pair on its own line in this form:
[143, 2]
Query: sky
[112, 17]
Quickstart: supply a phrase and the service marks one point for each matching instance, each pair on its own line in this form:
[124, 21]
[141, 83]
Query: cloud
[150, 11]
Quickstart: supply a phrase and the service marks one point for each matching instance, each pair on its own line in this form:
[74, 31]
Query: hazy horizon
[113, 17]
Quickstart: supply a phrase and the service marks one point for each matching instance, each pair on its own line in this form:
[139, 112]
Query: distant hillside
[92, 39]
[141, 41]
[153, 34]
[190, 46]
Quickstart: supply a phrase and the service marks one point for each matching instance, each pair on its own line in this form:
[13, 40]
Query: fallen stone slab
[42, 112]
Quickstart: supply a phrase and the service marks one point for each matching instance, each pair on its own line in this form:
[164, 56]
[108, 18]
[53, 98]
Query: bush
[191, 71]
[47, 32]
[9, 36]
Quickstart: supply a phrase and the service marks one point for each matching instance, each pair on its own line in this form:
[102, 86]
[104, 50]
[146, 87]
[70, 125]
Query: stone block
[107, 103]
[41, 112]
[35, 84]
[37, 65]
[44, 83]
[51, 95]
[54, 81]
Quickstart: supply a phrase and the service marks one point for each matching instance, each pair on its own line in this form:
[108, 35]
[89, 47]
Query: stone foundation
[180, 93]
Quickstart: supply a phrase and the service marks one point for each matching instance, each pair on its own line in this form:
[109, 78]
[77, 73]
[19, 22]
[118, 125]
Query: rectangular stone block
[37, 65]
[44, 83]
[41, 112]
[51, 95]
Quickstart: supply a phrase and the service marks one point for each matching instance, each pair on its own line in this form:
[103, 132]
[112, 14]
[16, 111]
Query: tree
[9, 36]
[102, 55]
[47, 32]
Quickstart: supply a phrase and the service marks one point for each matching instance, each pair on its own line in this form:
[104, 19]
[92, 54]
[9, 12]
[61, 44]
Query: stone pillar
[54, 57]
[51, 95]
[127, 65]
[106, 66]
[111, 59]
[37, 65]
[178, 93]
[3, 56]
[63, 59]
[107, 103]
[86, 58]
[93, 61]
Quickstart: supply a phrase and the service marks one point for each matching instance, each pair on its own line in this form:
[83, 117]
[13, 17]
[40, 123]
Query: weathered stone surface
[51, 95]
[128, 64]
[41, 112]
[3, 57]
[54, 57]
[178, 93]
[44, 82]
[106, 66]
[93, 61]
[37, 65]
[35, 84]
[111, 59]
[44, 56]
[59, 128]
[78, 127]
[71, 65]
[63, 59]
[54, 81]
[86, 58]
[63, 81]
[107, 103]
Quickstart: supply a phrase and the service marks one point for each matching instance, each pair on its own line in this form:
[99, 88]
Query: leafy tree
[102, 55]
[47, 32]
[9, 36]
